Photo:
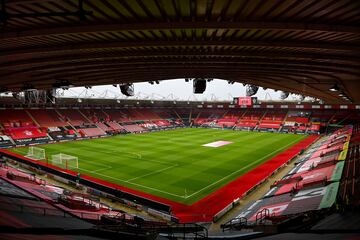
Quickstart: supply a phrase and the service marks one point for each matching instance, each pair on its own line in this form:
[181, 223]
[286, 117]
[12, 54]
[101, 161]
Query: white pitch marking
[126, 181]
[151, 173]
[154, 189]
[194, 193]
[101, 169]
[216, 144]
[94, 171]
[136, 154]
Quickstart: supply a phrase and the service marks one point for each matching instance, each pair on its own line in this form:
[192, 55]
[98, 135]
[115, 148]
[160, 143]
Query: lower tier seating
[92, 132]
[25, 132]
[133, 128]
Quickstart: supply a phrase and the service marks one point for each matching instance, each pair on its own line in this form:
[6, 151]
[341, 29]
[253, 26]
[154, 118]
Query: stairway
[84, 116]
[32, 118]
[283, 122]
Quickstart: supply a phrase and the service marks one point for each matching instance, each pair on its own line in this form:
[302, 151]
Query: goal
[65, 161]
[36, 153]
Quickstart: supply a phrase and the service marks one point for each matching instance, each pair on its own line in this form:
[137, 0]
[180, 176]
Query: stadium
[154, 167]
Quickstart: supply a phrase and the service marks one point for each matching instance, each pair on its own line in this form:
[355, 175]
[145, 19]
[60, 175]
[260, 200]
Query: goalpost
[65, 161]
[36, 153]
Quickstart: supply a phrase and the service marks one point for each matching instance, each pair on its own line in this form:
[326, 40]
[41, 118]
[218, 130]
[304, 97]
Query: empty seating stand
[146, 114]
[250, 119]
[73, 116]
[96, 115]
[15, 118]
[117, 115]
[227, 121]
[115, 126]
[18, 212]
[47, 117]
[133, 128]
[104, 127]
[162, 123]
[92, 132]
[164, 113]
[272, 120]
[25, 132]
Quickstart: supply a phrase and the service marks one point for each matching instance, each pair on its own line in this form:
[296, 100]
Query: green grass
[174, 164]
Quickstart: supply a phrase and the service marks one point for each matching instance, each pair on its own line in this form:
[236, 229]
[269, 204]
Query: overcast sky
[176, 89]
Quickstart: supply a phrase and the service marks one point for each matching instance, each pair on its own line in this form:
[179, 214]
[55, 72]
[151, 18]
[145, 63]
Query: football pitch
[174, 164]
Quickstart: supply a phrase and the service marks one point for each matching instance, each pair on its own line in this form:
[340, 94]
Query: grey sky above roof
[176, 89]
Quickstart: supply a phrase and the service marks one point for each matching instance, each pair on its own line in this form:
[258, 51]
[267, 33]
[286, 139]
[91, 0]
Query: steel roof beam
[178, 25]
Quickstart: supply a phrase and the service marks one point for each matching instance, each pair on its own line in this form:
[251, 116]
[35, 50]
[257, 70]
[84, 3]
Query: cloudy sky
[176, 89]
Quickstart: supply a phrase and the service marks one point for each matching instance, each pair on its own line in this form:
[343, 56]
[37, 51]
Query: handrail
[261, 215]
[238, 221]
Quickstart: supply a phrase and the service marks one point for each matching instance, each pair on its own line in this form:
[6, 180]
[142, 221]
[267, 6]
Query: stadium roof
[292, 45]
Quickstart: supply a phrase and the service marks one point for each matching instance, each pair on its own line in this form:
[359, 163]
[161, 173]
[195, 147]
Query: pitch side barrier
[73, 177]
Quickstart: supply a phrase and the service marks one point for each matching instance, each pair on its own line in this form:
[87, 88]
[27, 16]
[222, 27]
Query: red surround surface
[205, 209]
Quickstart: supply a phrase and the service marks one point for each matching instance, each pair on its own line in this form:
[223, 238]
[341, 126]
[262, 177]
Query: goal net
[36, 153]
[65, 161]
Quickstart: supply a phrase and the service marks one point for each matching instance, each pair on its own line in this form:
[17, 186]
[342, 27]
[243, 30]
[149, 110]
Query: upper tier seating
[253, 114]
[74, 116]
[185, 113]
[164, 113]
[47, 118]
[272, 119]
[250, 119]
[146, 114]
[118, 115]
[211, 114]
[15, 118]
[354, 117]
[95, 115]
[133, 114]
[235, 113]
[322, 115]
[230, 118]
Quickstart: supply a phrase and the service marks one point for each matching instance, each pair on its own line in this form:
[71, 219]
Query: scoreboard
[245, 101]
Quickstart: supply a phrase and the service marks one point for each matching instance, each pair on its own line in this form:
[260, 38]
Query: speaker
[251, 90]
[127, 89]
[199, 85]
